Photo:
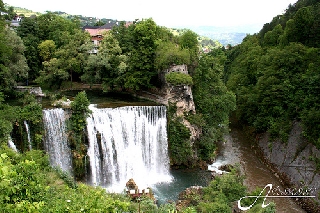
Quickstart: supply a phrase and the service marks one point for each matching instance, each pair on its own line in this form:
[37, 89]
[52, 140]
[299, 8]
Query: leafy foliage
[13, 66]
[178, 79]
[213, 101]
[180, 148]
[12, 120]
[28, 184]
[274, 74]
[189, 40]
[79, 113]
[46, 49]
[141, 61]
[169, 53]
[61, 45]
[108, 67]
[222, 193]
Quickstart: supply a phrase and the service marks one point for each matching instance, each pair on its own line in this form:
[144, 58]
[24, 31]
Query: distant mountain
[226, 35]
[226, 38]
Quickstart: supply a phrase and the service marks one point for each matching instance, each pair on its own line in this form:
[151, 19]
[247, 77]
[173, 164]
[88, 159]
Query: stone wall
[174, 68]
[37, 91]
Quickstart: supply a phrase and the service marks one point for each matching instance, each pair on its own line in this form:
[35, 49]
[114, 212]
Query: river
[238, 147]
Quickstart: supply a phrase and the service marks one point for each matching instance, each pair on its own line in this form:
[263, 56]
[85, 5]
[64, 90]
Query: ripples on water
[181, 179]
[257, 174]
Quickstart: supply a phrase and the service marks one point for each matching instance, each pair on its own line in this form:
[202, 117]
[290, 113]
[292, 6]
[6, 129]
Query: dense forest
[53, 53]
[275, 74]
[270, 81]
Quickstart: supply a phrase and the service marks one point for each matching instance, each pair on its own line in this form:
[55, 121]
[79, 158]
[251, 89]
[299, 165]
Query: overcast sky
[169, 13]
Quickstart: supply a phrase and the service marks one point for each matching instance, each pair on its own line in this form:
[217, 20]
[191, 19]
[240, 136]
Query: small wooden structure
[134, 192]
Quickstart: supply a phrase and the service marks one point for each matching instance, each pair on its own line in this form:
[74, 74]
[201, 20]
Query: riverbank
[238, 147]
[291, 163]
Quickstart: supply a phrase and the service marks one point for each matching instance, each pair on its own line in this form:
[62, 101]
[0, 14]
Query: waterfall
[11, 144]
[128, 142]
[28, 134]
[56, 141]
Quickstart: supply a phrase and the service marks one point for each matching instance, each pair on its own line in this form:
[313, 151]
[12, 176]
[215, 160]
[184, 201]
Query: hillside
[22, 11]
[218, 36]
[84, 20]
[275, 75]
[225, 35]
[206, 42]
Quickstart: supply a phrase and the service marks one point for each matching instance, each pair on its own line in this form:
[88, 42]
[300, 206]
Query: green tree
[124, 35]
[178, 79]
[108, 66]
[142, 55]
[169, 53]
[303, 20]
[54, 27]
[213, 100]
[7, 117]
[272, 75]
[13, 66]
[272, 38]
[67, 61]
[180, 149]
[99, 23]
[189, 40]
[47, 49]
[79, 113]
[61, 31]
[29, 33]
[92, 69]
[74, 53]
[114, 70]
[11, 14]
[28, 184]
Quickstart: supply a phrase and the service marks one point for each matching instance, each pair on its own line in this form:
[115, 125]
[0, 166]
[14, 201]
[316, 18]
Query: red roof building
[96, 32]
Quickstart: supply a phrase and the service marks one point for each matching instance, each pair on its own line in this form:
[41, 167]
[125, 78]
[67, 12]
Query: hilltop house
[15, 22]
[96, 33]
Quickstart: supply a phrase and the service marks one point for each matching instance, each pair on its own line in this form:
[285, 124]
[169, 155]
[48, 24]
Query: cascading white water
[56, 140]
[28, 134]
[11, 144]
[133, 144]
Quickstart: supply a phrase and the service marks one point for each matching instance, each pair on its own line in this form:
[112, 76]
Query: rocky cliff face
[181, 97]
[294, 165]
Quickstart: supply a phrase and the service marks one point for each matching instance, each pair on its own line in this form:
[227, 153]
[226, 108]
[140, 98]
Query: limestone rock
[181, 96]
[62, 103]
[292, 161]
[226, 167]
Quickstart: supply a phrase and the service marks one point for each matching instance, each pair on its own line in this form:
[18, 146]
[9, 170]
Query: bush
[179, 143]
[80, 111]
[177, 78]
[32, 186]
